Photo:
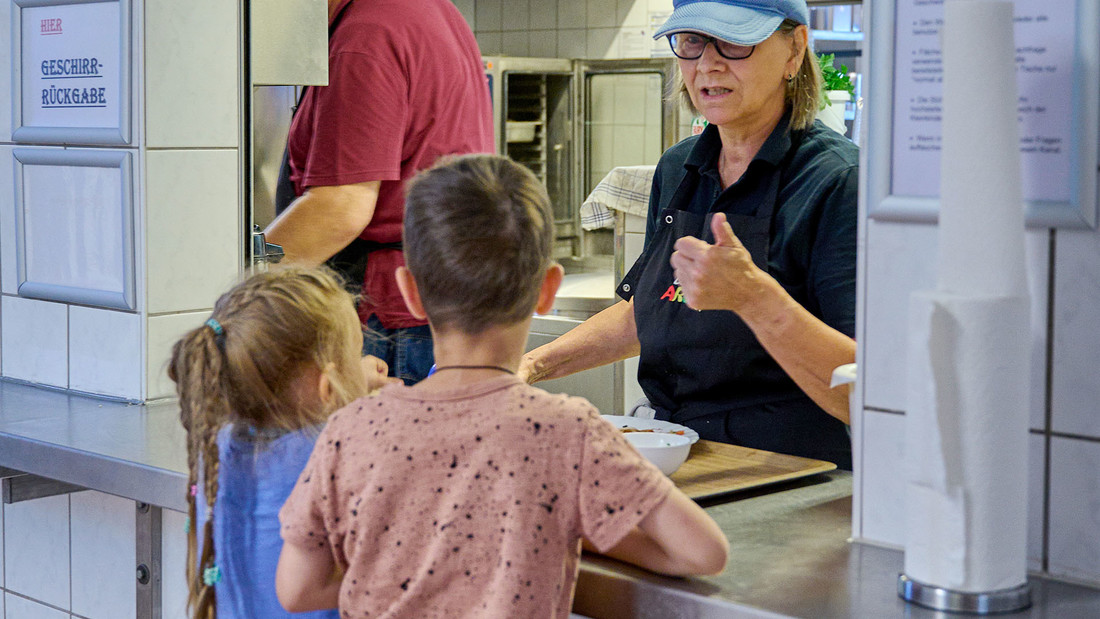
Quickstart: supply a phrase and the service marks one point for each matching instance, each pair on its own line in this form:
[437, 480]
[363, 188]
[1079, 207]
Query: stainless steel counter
[790, 555]
[133, 451]
[789, 548]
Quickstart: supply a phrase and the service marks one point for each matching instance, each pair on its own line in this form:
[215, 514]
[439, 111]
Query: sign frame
[119, 134]
[1079, 211]
[124, 299]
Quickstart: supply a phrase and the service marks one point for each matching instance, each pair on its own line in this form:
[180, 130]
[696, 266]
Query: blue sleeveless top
[255, 478]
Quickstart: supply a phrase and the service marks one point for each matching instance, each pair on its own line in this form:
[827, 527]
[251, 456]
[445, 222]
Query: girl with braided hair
[280, 352]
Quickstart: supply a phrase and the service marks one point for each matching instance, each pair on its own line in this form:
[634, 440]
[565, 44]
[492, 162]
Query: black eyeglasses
[690, 46]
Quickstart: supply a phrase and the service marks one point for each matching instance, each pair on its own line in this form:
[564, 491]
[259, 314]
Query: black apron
[706, 369]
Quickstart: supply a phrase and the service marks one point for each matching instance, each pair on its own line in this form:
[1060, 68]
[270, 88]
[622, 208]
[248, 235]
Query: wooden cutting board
[717, 468]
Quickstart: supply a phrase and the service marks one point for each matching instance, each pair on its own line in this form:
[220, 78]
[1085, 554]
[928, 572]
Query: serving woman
[743, 301]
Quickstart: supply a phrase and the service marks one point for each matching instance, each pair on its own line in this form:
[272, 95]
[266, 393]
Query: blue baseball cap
[745, 22]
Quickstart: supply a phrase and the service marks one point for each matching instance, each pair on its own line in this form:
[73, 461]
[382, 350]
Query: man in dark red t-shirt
[406, 86]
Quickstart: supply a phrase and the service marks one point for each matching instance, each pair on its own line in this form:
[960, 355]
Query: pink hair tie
[194, 489]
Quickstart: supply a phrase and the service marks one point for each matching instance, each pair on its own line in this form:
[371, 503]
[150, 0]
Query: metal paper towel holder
[939, 598]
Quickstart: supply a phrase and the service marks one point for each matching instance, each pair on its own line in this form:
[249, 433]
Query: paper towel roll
[969, 341]
[981, 206]
[966, 441]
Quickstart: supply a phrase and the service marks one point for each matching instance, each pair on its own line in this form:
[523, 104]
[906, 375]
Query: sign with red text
[73, 72]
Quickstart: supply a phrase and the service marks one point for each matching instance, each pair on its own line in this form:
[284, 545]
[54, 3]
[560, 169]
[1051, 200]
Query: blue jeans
[407, 351]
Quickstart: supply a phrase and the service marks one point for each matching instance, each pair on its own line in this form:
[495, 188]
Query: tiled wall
[73, 556]
[624, 122]
[1064, 454]
[187, 220]
[564, 28]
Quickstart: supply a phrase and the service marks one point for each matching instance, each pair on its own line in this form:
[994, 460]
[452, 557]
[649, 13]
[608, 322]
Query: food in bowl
[666, 451]
[626, 429]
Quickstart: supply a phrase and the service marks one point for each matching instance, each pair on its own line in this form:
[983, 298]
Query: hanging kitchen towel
[625, 188]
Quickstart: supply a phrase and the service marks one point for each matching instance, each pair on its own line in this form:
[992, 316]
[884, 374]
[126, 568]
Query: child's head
[280, 351]
[478, 237]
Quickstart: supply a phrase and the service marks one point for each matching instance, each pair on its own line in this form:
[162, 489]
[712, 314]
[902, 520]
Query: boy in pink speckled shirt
[469, 494]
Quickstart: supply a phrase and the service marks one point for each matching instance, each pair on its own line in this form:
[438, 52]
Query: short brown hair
[477, 239]
[803, 94]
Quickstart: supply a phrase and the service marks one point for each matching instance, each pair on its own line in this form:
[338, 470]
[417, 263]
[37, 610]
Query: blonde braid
[196, 368]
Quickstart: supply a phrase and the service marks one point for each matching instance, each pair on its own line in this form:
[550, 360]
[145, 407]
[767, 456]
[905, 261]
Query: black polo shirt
[813, 233]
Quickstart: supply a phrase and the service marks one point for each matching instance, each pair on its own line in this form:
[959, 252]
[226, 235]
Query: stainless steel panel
[272, 110]
[148, 520]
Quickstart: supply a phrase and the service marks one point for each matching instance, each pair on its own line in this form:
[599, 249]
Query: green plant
[833, 78]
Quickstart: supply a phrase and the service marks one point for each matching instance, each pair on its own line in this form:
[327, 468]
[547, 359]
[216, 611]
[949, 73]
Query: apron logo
[674, 293]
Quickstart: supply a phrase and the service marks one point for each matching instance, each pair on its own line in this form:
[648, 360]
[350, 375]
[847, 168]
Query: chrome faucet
[262, 251]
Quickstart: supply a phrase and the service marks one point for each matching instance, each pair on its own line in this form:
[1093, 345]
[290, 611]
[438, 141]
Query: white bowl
[666, 451]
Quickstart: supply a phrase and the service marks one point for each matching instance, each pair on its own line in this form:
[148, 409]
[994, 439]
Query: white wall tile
[515, 43]
[543, 43]
[660, 6]
[193, 230]
[601, 100]
[105, 352]
[191, 80]
[34, 341]
[488, 15]
[900, 260]
[602, 43]
[544, 14]
[1036, 444]
[572, 14]
[466, 7]
[103, 556]
[1074, 515]
[654, 101]
[1038, 258]
[488, 43]
[515, 15]
[632, 13]
[1076, 387]
[601, 13]
[631, 99]
[883, 472]
[572, 43]
[601, 152]
[653, 146]
[16, 607]
[173, 549]
[629, 146]
[137, 69]
[36, 550]
[9, 274]
[163, 331]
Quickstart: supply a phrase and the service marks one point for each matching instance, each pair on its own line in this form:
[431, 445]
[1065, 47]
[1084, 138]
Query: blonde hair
[242, 366]
[478, 238]
[803, 91]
